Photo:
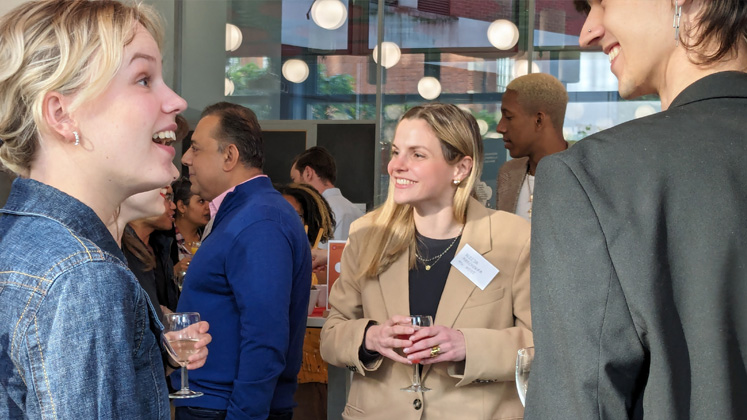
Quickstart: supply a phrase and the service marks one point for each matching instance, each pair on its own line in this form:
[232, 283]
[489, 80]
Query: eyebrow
[142, 56]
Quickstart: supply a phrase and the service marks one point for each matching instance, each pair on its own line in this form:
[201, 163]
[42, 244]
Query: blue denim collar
[33, 198]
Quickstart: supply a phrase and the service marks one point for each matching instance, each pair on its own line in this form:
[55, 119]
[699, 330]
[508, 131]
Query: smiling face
[197, 212]
[638, 37]
[421, 175]
[127, 130]
[205, 160]
[517, 126]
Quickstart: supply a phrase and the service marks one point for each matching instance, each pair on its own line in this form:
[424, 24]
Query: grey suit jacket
[639, 266]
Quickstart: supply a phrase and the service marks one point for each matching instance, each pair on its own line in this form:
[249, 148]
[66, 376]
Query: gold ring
[435, 351]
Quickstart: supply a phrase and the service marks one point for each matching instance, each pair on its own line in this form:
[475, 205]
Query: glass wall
[305, 64]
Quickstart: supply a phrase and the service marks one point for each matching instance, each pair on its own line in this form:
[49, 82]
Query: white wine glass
[417, 322]
[523, 368]
[180, 336]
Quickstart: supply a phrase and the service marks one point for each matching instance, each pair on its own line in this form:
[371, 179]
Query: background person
[78, 339]
[397, 263]
[532, 114]
[148, 255]
[639, 266]
[254, 272]
[316, 167]
[192, 214]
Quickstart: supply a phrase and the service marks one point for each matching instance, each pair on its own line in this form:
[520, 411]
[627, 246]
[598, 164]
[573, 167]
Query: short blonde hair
[541, 92]
[394, 224]
[74, 47]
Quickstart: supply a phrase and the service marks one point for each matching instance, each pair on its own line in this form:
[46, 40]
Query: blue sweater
[250, 280]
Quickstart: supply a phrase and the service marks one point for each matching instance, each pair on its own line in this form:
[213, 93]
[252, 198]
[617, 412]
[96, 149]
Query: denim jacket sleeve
[90, 348]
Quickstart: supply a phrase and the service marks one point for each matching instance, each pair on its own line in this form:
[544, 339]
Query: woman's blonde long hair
[72, 47]
[393, 230]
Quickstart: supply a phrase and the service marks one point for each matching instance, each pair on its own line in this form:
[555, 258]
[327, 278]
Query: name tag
[475, 267]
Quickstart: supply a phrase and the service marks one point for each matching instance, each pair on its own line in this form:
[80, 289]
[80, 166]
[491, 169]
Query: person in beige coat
[396, 263]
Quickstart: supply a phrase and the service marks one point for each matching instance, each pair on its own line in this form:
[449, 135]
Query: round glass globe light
[429, 87]
[329, 14]
[503, 34]
[233, 37]
[390, 54]
[295, 70]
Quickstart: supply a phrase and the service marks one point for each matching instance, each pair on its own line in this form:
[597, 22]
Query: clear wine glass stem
[416, 375]
[185, 380]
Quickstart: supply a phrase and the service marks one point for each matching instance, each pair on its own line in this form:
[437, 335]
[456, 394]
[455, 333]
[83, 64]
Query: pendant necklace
[427, 261]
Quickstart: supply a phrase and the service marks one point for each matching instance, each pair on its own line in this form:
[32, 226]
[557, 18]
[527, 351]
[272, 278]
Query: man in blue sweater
[250, 279]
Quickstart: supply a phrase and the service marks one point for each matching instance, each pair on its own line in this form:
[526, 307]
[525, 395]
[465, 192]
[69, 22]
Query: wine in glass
[194, 247]
[417, 322]
[523, 368]
[181, 335]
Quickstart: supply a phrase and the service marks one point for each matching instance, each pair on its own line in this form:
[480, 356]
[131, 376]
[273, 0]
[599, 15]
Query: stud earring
[589, 31]
[457, 182]
[77, 138]
[676, 24]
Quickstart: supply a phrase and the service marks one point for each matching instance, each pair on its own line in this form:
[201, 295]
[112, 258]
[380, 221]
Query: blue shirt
[77, 338]
[250, 280]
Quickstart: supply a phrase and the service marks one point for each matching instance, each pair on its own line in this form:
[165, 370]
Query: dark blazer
[639, 266]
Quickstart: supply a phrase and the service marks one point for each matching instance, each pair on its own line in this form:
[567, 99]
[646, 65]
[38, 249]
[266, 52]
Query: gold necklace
[425, 261]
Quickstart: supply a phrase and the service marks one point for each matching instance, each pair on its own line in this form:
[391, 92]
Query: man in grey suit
[639, 236]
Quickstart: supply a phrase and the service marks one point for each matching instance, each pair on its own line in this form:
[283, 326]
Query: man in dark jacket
[639, 235]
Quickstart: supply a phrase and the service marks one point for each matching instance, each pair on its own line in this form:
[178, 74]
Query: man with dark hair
[639, 233]
[250, 278]
[532, 113]
[316, 167]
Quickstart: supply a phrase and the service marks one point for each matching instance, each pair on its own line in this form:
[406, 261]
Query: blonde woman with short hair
[404, 259]
[86, 120]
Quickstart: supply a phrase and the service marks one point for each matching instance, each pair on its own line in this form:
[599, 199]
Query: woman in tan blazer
[396, 263]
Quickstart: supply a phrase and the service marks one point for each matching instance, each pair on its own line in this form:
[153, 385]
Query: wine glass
[180, 336]
[523, 368]
[194, 247]
[417, 322]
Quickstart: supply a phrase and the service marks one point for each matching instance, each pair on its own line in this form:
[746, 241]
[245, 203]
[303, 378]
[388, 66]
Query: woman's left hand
[436, 344]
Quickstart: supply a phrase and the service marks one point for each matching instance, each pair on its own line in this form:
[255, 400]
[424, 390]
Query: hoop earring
[676, 24]
[77, 138]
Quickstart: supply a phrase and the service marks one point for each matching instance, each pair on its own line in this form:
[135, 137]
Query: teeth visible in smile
[614, 52]
[164, 137]
[401, 181]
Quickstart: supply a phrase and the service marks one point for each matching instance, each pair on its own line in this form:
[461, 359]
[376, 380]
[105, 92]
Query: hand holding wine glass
[392, 334]
[182, 333]
[523, 368]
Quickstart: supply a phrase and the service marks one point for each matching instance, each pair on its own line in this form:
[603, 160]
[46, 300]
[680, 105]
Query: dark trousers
[197, 413]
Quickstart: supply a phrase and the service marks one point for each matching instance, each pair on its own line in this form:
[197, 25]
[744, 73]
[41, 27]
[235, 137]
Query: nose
[396, 164]
[501, 127]
[593, 31]
[187, 157]
[174, 103]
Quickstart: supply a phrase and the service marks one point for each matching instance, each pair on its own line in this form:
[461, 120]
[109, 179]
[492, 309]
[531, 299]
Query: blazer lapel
[395, 287]
[458, 287]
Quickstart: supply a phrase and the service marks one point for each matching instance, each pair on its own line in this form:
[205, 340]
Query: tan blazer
[511, 177]
[495, 323]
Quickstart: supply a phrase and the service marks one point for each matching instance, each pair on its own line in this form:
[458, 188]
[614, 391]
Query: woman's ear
[56, 116]
[181, 207]
[463, 168]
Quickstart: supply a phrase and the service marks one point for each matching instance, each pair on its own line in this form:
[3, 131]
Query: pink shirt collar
[217, 201]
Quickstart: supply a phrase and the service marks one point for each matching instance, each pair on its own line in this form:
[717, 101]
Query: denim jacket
[77, 334]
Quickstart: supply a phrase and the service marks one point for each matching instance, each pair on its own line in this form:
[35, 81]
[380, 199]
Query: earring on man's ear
[77, 138]
[676, 24]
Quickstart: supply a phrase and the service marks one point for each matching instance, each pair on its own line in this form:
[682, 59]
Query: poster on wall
[495, 156]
